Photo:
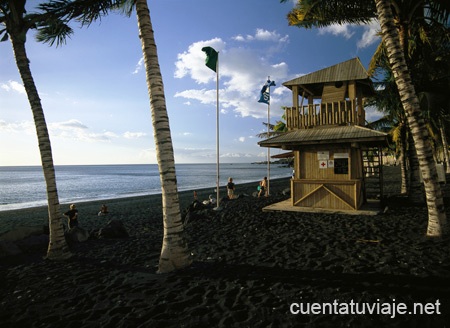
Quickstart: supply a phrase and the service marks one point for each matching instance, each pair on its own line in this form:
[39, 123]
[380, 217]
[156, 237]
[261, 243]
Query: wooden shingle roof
[325, 135]
[346, 71]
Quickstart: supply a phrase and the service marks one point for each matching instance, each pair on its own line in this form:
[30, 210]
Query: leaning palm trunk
[403, 163]
[444, 146]
[436, 211]
[415, 192]
[57, 247]
[174, 252]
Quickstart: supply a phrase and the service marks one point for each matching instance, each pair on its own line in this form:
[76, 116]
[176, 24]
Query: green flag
[211, 58]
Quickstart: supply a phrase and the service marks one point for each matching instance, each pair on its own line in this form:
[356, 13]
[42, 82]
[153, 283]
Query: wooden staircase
[373, 173]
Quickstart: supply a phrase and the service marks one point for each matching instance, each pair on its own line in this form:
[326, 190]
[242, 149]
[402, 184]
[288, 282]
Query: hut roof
[350, 70]
[326, 135]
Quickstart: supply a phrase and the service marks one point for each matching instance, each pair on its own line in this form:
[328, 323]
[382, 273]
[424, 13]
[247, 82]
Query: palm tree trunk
[174, 252]
[436, 211]
[415, 192]
[444, 147]
[403, 162]
[57, 247]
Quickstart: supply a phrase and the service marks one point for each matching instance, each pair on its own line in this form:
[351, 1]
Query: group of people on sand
[231, 187]
[72, 215]
[262, 188]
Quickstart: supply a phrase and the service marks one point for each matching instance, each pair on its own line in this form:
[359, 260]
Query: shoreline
[10, 219]
[144, 194]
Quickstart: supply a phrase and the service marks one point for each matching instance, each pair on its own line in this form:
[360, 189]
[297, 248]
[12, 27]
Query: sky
[94, 93]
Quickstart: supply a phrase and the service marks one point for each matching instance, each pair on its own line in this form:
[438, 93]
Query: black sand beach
[251, 268]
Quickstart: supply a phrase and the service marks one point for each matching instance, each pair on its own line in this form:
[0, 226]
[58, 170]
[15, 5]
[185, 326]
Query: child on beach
[72, 214]
[230, 188]
[263, 187]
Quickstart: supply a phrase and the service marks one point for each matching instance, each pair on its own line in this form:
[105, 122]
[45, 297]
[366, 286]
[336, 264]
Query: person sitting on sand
[211, 201]
[230, 188]
[72, 214]
[263, 187]
[103, 210]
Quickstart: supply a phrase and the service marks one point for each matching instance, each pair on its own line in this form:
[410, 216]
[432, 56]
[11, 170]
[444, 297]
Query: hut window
[338, 84]
[341, 166]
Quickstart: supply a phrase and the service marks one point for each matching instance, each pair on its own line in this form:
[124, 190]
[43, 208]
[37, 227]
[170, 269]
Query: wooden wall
[328, 187]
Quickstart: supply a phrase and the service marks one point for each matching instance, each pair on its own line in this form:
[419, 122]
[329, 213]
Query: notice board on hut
[341, 163]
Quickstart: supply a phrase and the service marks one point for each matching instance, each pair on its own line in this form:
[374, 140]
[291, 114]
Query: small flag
[265, 94]
[211, 58]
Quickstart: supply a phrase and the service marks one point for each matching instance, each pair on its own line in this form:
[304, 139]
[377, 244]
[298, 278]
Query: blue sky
[94, 93]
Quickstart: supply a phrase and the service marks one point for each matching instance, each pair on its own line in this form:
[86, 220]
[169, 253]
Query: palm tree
[274, 129]
[16, 24]
[51, 22]
[174, 253]
[387, 100]
[324, 12]
[436, 212]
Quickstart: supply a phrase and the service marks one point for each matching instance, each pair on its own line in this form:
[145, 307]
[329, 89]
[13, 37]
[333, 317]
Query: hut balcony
[346, 112]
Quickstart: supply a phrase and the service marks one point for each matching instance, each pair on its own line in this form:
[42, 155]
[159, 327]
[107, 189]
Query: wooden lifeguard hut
[334, 154]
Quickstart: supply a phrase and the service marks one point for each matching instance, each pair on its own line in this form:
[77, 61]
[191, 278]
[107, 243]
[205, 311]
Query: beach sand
[250, 269]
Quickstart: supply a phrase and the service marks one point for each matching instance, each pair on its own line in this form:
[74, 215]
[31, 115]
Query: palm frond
[54, 31]
[321, 13]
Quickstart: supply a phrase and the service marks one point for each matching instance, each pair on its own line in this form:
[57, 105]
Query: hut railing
[330, 113]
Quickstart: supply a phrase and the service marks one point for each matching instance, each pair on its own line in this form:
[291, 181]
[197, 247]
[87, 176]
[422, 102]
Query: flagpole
[217, 133]
[268, 136]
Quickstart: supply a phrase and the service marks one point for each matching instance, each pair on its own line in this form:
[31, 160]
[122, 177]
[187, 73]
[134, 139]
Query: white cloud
[70, 124]
[134, 135]
[13, 86]
[26, 126]
[262, 155]
[262, 35]
[148, 155]
[239, 38]
[192, 61]
[241, 139]
[139, 66]
[242, 73]
[372, 114]
[203, 95]
[236, 155]
[76, 130]
[337, 30]
[370, 35]
[71, 129]
[193, 154]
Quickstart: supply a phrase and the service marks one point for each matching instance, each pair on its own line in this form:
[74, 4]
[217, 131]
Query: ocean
[24, 186]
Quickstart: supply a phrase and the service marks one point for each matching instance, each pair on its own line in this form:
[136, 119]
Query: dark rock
[8, 248]
[33, 242]
[20, 233]
[113, 229]
[76, 235]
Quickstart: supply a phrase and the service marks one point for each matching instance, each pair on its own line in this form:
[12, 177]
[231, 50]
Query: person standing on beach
[263, 187]
[72, 214]
[230, 188]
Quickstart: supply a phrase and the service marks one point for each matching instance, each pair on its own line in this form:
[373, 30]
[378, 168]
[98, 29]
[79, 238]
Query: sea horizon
[24, 186]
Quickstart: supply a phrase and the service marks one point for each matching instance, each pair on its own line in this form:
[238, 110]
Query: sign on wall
[323, 155]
